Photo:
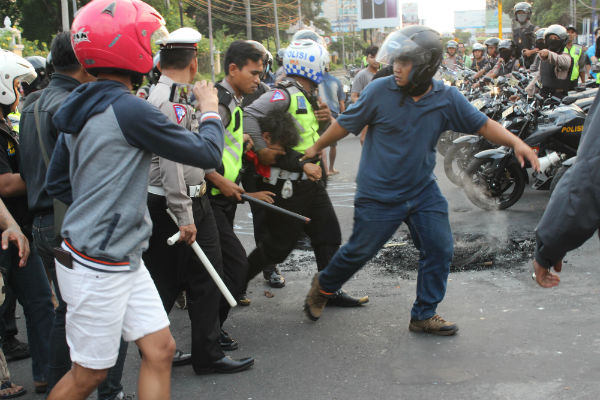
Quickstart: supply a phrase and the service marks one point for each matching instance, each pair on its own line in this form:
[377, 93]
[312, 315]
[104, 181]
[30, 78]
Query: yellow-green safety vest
[301, 109]
[234, 145]
[15, 118]
[575, 53]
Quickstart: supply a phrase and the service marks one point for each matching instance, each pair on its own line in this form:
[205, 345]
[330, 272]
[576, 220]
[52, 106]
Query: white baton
[207, 264]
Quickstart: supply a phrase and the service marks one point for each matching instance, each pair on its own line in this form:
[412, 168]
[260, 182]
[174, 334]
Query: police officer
[491, 47]
[182, 189]
[304, 193]
[540, 44]
[576, 52]
[556, 65]
[244, 67]
[524, 32]
[451, 59]
[507, 62]
[480, 60]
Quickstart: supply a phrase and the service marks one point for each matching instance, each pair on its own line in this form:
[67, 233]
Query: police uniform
[235, 261]
[307, 197]
[175, 268]
[524, 39]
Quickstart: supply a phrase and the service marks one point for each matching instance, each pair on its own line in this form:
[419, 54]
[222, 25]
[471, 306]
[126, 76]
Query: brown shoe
[316, 300]
[436, 325]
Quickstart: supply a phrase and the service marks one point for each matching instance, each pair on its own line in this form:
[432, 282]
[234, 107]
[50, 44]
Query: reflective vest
[234, 138]
[302, 111]
[575, 53]
[15, 118]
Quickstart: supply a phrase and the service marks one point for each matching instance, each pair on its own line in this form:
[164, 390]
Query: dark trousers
[235, 261]
[30, 286]
[59, 360]
[176, 268]
[311, 200]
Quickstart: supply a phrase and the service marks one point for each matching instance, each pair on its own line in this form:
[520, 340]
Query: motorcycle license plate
[478, 103]
[508, 111]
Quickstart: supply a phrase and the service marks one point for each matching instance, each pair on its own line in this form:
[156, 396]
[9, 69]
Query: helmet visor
[159, 37]
[27, 77]
[399, 47]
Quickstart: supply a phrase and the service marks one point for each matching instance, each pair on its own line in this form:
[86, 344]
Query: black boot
[343, 299]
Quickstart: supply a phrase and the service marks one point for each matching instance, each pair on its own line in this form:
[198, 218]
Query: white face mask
[522, 18]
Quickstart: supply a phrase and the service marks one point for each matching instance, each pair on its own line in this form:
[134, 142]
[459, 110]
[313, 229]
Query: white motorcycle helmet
[13, 67]
[307, 59]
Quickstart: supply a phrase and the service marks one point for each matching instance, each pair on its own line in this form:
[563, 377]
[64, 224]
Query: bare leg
[363, 134]
[77, 384]
[324, 159]
[332, 154]
[155, 372]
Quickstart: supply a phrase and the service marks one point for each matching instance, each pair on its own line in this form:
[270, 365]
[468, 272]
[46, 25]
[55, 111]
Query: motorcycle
[495, 179]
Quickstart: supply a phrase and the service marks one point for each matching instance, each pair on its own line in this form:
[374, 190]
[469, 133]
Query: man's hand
[14, 235]
[311, 152]
[312, 171]
[544, 53]
[528, 53]
[187, 234]
[230, 189]
[544, 277]
[524, 152]
[323, 113]
[268, 155]
[249, 142]
[264, 196]
[206, 96]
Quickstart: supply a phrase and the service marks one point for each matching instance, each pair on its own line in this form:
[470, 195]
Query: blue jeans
[374, 223]
[31, 288]
[59, 360]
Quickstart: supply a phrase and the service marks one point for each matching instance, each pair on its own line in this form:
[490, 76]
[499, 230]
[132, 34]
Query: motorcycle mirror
[569, 100]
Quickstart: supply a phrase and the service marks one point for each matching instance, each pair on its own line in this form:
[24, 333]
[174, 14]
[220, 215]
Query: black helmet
[154, 74]
[493, 41]
[506, 49]
[556, 45]
[49, 65]
[419, 44]
[522, 6]
[39, 63]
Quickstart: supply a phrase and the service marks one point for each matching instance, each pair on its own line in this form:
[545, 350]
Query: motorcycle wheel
[445, 141]
[559, 174]
[490, 194]
[456, 161]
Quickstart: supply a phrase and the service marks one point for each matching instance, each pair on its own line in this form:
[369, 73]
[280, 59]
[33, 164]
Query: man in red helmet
[105, 152]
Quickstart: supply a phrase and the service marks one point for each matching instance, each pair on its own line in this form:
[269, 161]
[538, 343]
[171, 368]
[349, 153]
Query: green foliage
[463, 37]
[548, 12]
[31, 47]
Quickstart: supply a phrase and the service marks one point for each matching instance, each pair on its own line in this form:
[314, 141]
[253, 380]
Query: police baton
[280, 210]
[207, 264]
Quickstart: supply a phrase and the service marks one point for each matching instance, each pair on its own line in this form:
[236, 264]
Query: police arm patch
[277, 96]
[180, 112]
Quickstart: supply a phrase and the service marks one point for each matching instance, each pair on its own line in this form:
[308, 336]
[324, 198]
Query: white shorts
[103, 306]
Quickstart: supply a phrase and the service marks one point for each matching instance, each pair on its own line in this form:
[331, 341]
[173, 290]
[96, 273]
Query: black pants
[176, 268]
[311, 200]
[235, 261]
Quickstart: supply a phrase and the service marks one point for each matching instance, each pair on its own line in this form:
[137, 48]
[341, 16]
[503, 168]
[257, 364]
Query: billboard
[410, 14]
[378, 14]
[474, 19]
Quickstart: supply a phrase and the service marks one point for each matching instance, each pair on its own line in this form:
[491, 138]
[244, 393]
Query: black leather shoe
[180, 358]
[343, 299]
[225, 365]
[227, 342]
[15, 349]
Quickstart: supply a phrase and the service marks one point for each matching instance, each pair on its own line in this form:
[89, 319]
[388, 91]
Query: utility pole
[300, 24]
[65, 16]
[248, 20]
[594, 21]
[277, 44]
[180, 14]
[210, 42]
[500, 19]
[74, 7]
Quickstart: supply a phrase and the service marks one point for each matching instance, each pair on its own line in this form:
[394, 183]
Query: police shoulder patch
[277, 96]
[180, 112]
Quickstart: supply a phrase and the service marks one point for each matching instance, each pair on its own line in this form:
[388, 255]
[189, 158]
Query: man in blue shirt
[591, 51]
[332, 92]
[406, 114]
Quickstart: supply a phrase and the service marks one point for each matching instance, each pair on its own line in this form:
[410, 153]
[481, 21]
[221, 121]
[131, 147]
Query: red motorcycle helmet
[116, 35]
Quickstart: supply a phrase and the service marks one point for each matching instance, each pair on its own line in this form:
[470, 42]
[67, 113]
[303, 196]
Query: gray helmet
[42, 79]
[522, 6]
[478, 46]
[419, 44]
[493, 41]
[310, 35]
[451, 44]
[540, 43]
[557, 45]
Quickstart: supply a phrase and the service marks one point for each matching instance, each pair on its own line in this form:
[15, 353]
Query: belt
[193, 191]
[277, 173]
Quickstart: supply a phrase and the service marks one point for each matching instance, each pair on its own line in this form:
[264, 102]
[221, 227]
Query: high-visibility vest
[575, 53]
[302, 111]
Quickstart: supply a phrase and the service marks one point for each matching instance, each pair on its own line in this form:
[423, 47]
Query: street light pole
[248, 20]
[300, 25]
[210, 42]
[277, 44]
[65, 16]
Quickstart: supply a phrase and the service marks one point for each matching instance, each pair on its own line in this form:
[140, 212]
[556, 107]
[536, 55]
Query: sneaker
[316, 299]
[14, 349]
[244, 300]
[435, 325]
[275, 279]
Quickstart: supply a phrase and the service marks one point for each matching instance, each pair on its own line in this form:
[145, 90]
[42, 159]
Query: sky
[439, 14]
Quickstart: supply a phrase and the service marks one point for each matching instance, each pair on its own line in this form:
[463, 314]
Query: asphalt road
[516, 341]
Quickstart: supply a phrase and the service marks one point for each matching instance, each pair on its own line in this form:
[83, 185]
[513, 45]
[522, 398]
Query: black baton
[304, 219]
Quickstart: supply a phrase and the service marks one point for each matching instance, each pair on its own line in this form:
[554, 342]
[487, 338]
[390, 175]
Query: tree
[548, 12]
